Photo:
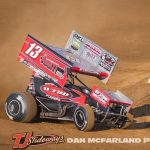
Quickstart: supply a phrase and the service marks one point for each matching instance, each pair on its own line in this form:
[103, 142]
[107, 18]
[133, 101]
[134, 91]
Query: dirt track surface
[122, 27]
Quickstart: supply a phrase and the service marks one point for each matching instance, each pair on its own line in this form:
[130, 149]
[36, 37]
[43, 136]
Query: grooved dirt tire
[84, 118]
[21, 107]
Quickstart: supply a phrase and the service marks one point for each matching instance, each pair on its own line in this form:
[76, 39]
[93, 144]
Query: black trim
[69, 62]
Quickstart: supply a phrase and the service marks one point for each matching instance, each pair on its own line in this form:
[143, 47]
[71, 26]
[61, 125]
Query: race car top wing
[44, 61]
[89, 58]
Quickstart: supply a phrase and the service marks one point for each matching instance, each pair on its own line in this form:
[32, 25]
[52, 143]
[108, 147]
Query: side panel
[50, 92]
[100, 96]
[44, 61]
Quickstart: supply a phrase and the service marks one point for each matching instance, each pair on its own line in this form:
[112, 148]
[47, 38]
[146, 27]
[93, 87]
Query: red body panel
[80, 100]
[44, 61]
[62, 94]
[100, 96]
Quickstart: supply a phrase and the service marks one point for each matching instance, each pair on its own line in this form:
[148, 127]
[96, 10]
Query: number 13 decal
[34, 50]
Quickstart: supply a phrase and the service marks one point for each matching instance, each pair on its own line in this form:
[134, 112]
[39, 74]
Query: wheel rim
[80, 118]
[14, 107]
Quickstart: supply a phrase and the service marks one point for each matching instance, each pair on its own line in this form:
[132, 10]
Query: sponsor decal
[78, 37]
[52, 66]
[107, 62]
[94, 48]
[55, 92]
[75, 45]
[24, 140]
[100, 96]
[90, 56]
[76, 41]
[72, 58]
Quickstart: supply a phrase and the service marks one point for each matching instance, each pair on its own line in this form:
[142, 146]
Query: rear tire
[21, 107]
[84, 118]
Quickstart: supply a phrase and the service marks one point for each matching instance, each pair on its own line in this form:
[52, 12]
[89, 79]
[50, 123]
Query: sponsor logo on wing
[94, 48]
[78, 37]
[52, 66]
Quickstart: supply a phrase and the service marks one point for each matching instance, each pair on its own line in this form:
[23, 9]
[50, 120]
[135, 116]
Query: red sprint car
[53, 94]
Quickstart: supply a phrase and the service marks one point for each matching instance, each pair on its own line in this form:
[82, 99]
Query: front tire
[21, 107]
[84, 118]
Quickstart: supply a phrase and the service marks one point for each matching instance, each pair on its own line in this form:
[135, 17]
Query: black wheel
[21, 107]
[84, 118]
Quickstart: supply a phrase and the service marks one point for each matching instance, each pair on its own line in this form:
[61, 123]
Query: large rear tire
[84, 118]
[21, 107]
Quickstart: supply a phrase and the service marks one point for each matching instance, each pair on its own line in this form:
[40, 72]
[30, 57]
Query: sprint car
[53, 92]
